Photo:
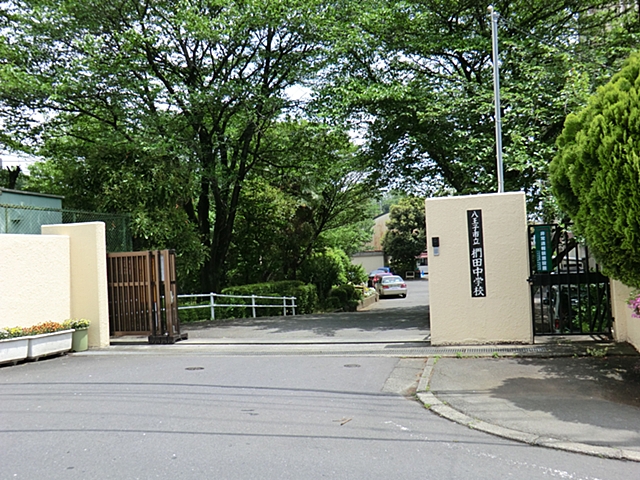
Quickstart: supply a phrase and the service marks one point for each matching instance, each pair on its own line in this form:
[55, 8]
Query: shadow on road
[328, 324]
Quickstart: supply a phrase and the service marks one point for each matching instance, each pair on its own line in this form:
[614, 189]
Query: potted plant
[80, 336]
[13, 345]
[47, 338]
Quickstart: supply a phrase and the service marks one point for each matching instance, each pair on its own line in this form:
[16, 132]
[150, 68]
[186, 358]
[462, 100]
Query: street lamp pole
[496, 96]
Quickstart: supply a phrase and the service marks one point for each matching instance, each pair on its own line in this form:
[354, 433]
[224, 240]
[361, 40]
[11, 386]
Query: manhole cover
[194, 368]
[352, 365]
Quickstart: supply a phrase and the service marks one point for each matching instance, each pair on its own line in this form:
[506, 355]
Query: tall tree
[188, 82]
[312, 189]
[416, 77]
[406, 235]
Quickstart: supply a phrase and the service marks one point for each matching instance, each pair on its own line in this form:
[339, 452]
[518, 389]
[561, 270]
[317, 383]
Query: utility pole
[496, 96]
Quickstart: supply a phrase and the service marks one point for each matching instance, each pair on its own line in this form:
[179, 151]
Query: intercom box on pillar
[478, 269]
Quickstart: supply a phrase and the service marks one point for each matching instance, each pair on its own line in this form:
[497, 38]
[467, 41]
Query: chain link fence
[24, 219]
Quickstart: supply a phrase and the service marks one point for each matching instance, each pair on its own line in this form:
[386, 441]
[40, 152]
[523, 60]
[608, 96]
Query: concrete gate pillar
[478, 270]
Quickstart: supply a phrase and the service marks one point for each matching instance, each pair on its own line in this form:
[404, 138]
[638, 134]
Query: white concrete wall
[504, 315]
[625, 327]
[34, 279]
[88, 266]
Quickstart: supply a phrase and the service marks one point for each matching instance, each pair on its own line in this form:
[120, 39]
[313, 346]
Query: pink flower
[634, 305]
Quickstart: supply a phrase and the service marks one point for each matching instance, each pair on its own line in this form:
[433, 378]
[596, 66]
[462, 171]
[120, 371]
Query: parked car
[376, 275]
[390, 285]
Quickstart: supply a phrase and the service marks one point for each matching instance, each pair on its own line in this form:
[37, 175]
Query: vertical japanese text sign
[476, 254]
[542, 234]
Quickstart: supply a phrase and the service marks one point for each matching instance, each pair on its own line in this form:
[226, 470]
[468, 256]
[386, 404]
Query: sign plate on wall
[542, 236]
[476, 254]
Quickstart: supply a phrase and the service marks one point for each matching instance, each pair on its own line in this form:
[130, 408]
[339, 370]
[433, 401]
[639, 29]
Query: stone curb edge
[431, 402]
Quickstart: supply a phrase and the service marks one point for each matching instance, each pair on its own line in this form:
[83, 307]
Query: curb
[431, 402]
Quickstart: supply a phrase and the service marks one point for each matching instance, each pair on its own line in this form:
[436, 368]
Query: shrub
[345, 297]
[595, 173]
[356, 274]
[193, 314]
[306, 297]
[325, 270]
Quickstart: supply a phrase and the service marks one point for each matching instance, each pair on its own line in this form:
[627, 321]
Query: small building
[24, 212]
[373, 256]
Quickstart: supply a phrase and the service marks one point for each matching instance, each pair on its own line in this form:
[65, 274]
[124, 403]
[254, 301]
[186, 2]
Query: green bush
[325, 270]
[332, 303]
[306, 301]
[306, 297]
[595, 173]
[193, 314]
[355, 274]
[345, 297]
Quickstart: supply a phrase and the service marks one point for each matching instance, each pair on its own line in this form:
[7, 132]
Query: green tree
[416, 79]
[117, 178]
[406, 236]
[596, 173]
[326, 269]
[312, 194]
[193, 83]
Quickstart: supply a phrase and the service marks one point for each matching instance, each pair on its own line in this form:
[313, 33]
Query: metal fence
[25, 219]
[247, 303]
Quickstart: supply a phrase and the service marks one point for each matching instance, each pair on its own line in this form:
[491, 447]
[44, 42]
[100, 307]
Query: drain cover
[352, 365]
[194, 368]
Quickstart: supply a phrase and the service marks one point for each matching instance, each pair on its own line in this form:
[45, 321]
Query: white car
[391, 285]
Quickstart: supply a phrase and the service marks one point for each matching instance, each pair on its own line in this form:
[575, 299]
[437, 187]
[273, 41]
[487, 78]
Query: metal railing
[287, 303]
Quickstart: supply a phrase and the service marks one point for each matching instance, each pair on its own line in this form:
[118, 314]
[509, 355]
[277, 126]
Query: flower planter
[49, 344]
[13, 349]
[80, 340]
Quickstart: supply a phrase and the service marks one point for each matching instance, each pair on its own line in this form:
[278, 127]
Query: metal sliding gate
[142, 295]
[569, 294]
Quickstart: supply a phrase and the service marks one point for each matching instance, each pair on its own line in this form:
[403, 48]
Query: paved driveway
[390, 320]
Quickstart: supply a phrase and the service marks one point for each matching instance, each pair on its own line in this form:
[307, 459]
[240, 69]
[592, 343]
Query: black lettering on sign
[476, 254]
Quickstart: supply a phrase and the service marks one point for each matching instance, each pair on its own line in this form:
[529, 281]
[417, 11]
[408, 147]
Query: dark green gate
[569, 294]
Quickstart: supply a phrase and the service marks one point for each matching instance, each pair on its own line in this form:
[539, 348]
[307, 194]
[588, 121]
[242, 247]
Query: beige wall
[504, 315]
[625, 327]
[88, 264]
[34, 279]
[369, 260]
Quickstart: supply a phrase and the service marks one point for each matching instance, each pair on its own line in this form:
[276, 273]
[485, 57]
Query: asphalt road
[187, 417]
[389, 321]
[187, 413]
[417, 296]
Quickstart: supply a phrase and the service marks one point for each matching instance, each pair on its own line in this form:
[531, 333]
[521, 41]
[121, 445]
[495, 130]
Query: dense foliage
[306, 295]
[416, 80]
[326, 269]
[406, 236]
[596, 174]
[183, 115]
[172, 100]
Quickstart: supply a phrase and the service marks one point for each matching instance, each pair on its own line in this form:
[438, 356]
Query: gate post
[478, 268]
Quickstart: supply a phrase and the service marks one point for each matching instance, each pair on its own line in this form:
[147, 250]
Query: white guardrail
[287, 303]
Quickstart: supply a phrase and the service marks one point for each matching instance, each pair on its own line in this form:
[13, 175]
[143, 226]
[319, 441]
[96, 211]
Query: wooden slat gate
[143, 298]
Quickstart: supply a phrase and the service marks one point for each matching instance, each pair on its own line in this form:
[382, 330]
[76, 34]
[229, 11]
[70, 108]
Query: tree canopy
[181, 113]
[416, 80]
[190, 88]
[406, 236]
[596, 173]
